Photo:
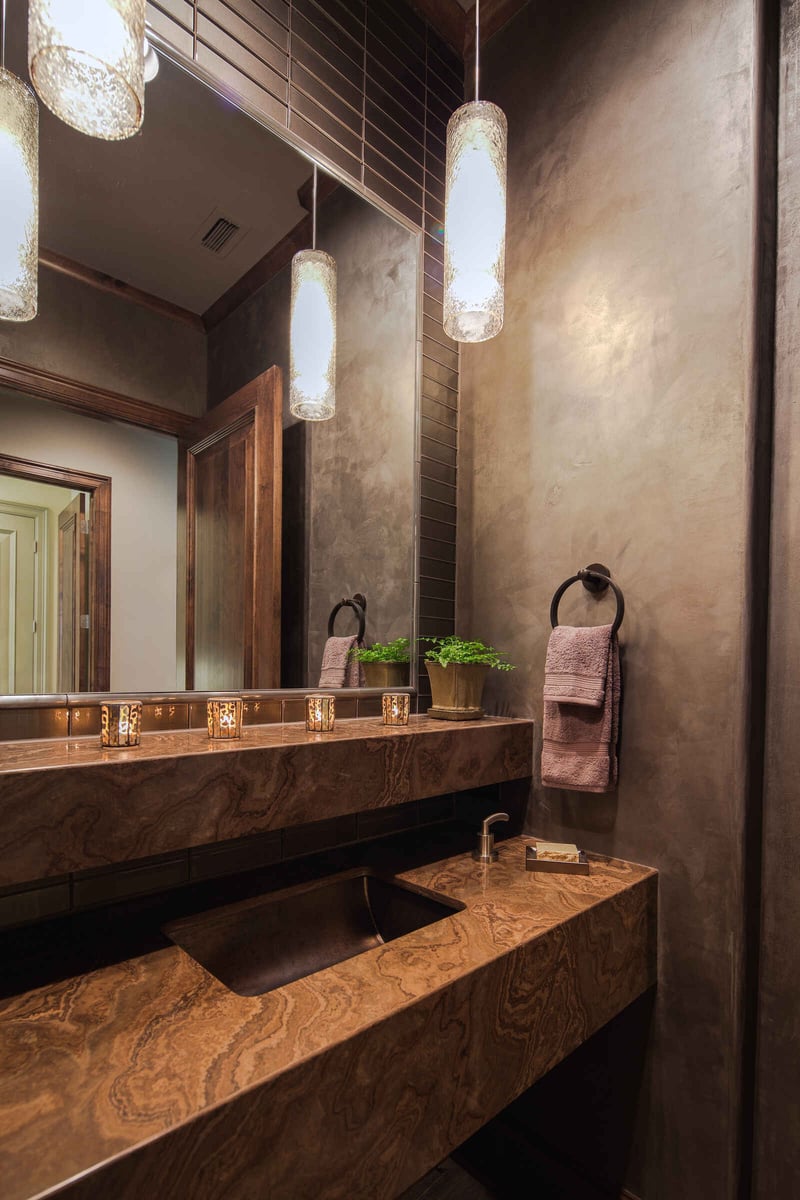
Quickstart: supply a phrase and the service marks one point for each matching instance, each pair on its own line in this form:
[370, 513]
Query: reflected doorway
[55, 547]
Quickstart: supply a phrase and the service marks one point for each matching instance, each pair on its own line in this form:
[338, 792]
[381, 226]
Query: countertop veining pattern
[68, 805]
[350, 1083]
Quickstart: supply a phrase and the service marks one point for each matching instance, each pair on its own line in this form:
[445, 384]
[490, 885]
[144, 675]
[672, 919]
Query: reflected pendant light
[19, 195]
[475, 216]
[312, 339]
[86, 61]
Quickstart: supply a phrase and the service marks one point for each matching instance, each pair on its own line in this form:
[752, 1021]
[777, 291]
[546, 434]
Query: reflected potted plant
[385, 666]
[457, 670]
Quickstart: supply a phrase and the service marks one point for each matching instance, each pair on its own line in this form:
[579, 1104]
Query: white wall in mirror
[143, 467]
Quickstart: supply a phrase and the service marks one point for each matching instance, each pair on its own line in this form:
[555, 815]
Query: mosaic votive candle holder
[396, 707]
[224, 717]
[120, 723]
[320, 713]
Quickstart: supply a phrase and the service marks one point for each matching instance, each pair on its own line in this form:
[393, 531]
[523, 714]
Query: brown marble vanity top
[86, 751]
[155, 1053]
[70, 806]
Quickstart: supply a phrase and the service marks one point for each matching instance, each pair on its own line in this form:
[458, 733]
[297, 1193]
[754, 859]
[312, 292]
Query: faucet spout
[485, 852]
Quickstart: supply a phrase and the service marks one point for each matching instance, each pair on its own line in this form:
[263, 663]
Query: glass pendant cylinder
[86, 61]
[19, 203]
[312, 354]
[475, 222]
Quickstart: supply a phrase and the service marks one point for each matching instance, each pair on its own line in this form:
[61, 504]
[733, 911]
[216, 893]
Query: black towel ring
[597, 579]
[359, 607]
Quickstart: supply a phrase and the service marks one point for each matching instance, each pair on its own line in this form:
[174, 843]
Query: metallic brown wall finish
[609, 421]
[777, 1166]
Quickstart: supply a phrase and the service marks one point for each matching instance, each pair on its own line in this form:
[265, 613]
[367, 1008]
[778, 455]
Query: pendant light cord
[3, 40]
[477, 45]
[313, 209]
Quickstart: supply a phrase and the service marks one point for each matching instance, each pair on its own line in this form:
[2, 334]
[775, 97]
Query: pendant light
[86, 61]
[19, 194]
[475, 216]
[312, 337]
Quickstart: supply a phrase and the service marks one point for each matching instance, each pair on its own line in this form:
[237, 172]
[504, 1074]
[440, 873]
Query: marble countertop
[154, 1055]
[70, 806]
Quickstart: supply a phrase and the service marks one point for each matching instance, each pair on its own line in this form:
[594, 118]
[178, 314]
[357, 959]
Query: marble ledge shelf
[67, 805]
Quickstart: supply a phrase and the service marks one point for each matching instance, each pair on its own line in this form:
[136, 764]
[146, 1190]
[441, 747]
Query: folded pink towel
[339, 669]
[582, 690]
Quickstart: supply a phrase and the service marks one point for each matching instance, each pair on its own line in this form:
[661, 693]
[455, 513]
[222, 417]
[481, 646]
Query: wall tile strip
[32, 717]
[370, 87]
[106, 885]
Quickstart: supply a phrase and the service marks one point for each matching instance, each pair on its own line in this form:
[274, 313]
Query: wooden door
[20, 632]
[230, 484]
[73, 597]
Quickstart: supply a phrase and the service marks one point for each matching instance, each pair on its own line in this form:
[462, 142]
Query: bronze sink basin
[261, 944]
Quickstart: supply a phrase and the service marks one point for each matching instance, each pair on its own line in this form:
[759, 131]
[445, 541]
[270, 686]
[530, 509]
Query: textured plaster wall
[359, 467]
[609, 421]
[778, 1092]
[102, 339]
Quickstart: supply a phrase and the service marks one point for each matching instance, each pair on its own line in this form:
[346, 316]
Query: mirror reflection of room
[163, 310]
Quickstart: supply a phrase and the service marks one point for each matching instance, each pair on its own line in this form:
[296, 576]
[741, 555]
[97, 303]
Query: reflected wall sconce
[320, 714]
[224, 716]
[475, 216]
[19, 197]
[86, 61]
[120, 723]
[396, 707]
[312, 339]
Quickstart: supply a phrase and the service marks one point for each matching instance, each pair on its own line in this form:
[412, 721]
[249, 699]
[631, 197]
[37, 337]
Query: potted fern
[457, 671]
[384, 666]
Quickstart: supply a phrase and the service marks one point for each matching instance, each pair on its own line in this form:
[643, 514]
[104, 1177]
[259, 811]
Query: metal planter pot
[456, 690]
[386, 675]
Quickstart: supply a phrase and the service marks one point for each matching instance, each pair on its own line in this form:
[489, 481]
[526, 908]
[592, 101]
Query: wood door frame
[39, 515]
[99, 489]
[259, 402]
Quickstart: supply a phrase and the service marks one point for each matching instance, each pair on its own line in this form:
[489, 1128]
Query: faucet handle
[486, 852]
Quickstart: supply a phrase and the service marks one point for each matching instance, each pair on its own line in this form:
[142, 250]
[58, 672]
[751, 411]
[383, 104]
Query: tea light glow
[120, 723]
[396, 707]
[320, 714]
[224, 717]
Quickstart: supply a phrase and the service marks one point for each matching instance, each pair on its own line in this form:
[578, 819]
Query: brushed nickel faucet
[485, 852]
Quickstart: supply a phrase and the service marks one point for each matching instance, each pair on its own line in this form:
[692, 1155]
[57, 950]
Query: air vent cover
[219, 233]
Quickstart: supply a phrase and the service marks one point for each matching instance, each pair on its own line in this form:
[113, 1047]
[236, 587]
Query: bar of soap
[558, 851]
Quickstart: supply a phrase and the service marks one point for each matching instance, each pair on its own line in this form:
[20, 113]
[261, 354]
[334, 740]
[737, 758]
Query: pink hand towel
[339, 668]
[581, 709]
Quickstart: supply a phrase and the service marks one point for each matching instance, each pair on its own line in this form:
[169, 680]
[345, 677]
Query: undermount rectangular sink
[259, 945]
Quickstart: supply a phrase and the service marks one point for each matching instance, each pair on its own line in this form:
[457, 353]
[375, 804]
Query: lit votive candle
[320, 713]
[224, 717]
[396, 707]
[120, 723]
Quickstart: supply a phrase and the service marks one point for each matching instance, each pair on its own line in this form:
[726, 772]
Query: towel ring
[358, 605]
[596, 579]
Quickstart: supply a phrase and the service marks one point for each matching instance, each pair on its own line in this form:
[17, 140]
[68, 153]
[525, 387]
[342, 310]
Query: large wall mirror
[165, 281]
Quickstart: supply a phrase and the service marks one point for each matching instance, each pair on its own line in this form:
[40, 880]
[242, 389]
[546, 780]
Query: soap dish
[534, 863]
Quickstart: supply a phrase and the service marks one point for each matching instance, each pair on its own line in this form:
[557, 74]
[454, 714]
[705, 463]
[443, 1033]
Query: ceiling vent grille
[219, 234]
[217, 237]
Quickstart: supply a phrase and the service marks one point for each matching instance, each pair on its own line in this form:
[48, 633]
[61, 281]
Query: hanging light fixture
[475, 216]
[86, 61]
[19, 194]
[312, 338]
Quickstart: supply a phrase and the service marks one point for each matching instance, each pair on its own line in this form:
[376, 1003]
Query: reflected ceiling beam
[93, 401]
[275, 259]
[116, 287]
